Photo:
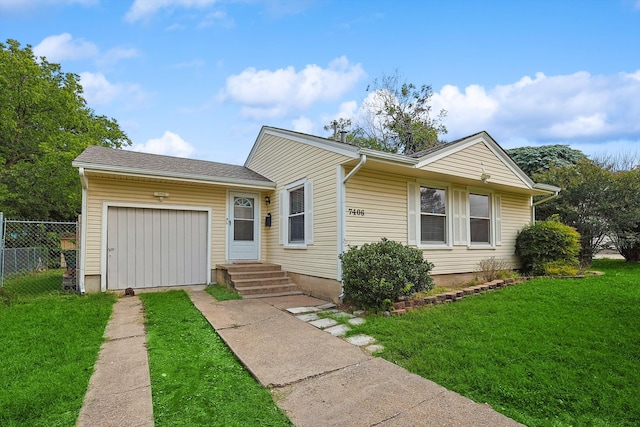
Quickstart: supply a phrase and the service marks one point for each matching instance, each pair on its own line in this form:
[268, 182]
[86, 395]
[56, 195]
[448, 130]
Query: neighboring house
[299, 201]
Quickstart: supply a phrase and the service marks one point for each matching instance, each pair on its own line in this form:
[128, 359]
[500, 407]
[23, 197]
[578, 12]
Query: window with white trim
[480, 218]
[296, 214]
[433, 216]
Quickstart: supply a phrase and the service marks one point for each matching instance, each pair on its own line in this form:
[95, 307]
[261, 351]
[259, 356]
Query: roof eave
[389, 157]
[174, 176]
[547, 187]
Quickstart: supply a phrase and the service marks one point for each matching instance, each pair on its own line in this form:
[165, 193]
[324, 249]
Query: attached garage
[148, 247]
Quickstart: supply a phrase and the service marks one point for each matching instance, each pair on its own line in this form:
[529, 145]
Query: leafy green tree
[622, 211]
[582, 203]
[398, 118]
[536, 160]
[44, 124]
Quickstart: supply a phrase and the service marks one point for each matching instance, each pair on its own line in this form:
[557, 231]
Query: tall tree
[623, 213]
[396, 117]
[44, 124]
[582, 203]
[535, 160]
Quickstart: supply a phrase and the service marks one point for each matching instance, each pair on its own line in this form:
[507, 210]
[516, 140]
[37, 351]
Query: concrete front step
[250, 267]
[258, 280]
[271, 295]
[267, 281]
[265, 289]
[256, 275]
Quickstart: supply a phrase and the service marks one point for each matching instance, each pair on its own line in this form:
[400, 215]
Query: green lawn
[195, 379]
[49, 344]
[547, 352]
[221, 293]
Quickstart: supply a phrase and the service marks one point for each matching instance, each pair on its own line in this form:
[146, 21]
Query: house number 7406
[358, 212]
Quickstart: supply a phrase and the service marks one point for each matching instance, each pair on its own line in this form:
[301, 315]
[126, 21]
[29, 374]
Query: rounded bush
[545, 242]
[381, 271]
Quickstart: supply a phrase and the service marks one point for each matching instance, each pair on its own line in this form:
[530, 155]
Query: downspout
[343, 209]
[539, 202]
[83, 228]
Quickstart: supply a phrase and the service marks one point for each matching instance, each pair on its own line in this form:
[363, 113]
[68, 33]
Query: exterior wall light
[161, 195]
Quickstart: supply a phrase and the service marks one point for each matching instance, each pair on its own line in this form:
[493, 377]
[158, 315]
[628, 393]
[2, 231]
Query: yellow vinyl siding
[285, 161]
[470, 162]
[461, 259]
[119, 190]
[383, 197]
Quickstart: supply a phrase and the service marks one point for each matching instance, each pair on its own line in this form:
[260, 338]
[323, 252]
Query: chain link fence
[38, 256]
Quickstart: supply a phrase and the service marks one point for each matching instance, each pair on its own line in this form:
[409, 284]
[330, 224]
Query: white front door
[244, 226]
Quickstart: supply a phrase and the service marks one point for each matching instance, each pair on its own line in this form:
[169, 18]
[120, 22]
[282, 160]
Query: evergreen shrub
[546, 242]
[381, 271]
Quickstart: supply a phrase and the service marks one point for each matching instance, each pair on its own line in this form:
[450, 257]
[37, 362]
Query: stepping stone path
[331, 326]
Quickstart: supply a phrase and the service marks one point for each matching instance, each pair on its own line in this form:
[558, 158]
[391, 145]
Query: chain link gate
[38, 256]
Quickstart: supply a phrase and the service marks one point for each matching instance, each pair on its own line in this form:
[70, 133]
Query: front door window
[243, 219]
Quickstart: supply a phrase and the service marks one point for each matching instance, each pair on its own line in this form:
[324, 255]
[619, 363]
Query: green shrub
[381, 271]
[544, 242]
[561, 268]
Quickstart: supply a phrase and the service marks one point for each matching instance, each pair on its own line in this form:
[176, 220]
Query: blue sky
[198, 78]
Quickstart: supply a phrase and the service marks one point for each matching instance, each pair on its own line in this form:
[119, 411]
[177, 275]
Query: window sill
[481, 247]
[295, 246]
[435, 247]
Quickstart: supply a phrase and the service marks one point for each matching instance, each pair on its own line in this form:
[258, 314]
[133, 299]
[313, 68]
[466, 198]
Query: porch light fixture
[161, 195]
[267, 200]
[484, 177]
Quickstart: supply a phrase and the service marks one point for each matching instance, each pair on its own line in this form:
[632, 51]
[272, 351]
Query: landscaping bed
[548, 352]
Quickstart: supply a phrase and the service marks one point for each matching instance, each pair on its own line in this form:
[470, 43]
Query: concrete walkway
[317, 379]
[119, 392]
[321, 380]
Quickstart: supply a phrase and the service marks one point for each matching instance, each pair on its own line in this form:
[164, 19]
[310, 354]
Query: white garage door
[155, 247]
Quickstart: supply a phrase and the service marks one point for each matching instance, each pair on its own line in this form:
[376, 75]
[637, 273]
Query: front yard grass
[49, 345]
[221, 292]
[548, 352]
[195, 378]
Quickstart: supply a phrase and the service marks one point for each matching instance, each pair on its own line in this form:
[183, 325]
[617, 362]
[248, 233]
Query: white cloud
[144, 9]
[118, 53]
[64, 47]
[169, 144]
[577, 107]
[218, 18]
[304, 125]
[267, 94]
[99, 91]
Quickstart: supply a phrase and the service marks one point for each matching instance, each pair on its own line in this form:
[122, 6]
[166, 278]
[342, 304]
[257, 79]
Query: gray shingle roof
[158, 165]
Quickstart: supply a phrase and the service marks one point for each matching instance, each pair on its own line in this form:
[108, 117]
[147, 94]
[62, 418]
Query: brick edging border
[401, 307]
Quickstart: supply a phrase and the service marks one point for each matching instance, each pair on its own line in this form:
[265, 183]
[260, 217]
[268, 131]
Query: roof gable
[316, 141]
[473, 156]
[135, 163]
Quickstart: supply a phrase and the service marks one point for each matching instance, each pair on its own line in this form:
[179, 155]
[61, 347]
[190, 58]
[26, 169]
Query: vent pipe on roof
[343, 136]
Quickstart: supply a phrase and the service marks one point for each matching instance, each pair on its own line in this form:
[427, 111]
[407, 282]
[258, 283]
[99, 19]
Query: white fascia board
[175, 176]
[315, 141]
[547, 187]
[389, 157]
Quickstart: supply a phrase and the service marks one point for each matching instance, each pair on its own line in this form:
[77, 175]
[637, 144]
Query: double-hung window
[480, 218]
[429, 224]
[296, 214]
[433, 216]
